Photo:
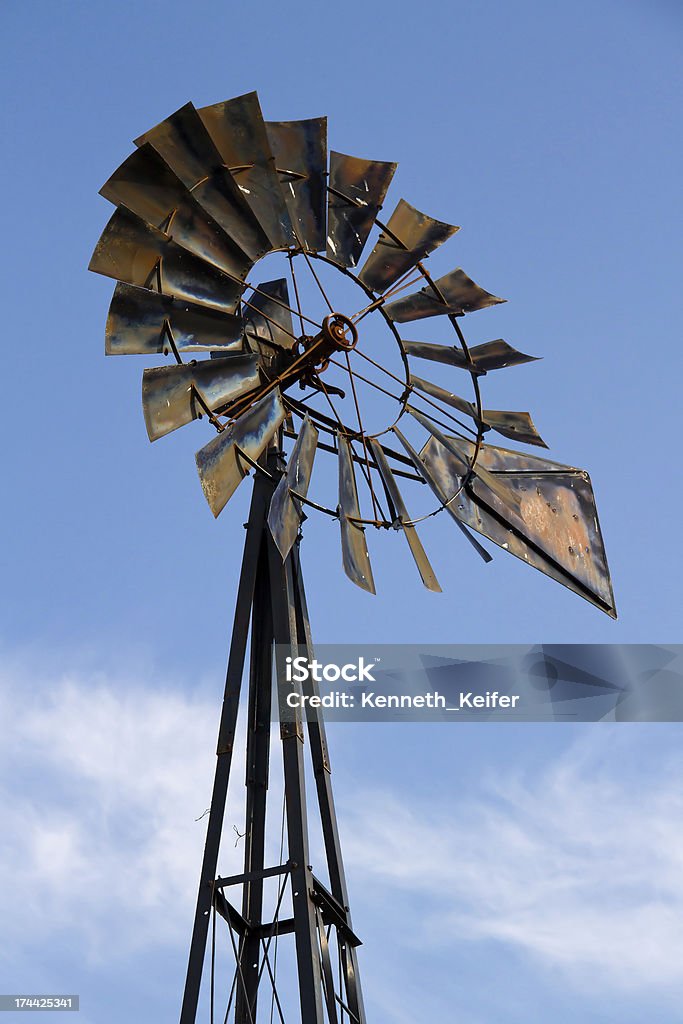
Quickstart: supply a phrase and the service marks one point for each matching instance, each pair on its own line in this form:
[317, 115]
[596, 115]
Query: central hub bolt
[335, 328]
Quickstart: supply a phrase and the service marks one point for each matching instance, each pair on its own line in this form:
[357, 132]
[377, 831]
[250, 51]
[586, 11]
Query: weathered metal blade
[517, 425]
[285, 513]
[218, 463]
[418, 552]
[132, 251]
[239, 133]
[460, 295]
[300, 151]
[185, 144]
[139, 319]
[492, 355]
[356, 192]
[410, 236]
[147, 186]
[443, 498]
[355, 557]
[170, 393]
[267, 320]
[496, 491]
[447, 397]
[560, 535]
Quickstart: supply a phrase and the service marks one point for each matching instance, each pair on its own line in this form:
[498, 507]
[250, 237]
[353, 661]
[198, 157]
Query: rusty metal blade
[138, 321]
[517, 425]
[133, 251]
[495, 490]
[560, 534]
[443, 498]
[410, 236]
[185, 144]
[146, 185]
[218, 463]
[418, 552]
[300, 151]
[239, 133]
[355, 557]
[170, 393]
[460, 294]
[356, 192]
[285, 513]
[492, 355]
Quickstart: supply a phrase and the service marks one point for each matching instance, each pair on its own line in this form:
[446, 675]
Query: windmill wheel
[208, 194]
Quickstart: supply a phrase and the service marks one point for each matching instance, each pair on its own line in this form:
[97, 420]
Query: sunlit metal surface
[460, 295]
[139, 319]
[517, 425]
[443, 498]
[239, 133]
[284, 514]
[448, 397]
[403, 518]
[300, 151]
[173, 395]
[356, 192]
[185, 144]
[355, 557]
[492, 355]
[265, 314]
[145, 185]
[220, 468]
[496, 490]
[560, 533]
[410, 236]
[133, 251]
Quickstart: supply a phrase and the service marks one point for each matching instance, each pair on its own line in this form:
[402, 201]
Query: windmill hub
[338, 333]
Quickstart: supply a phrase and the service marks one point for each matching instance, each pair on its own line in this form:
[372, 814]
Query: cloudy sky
[497, 873]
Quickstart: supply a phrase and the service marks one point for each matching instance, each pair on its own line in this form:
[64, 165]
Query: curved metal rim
[295, 250]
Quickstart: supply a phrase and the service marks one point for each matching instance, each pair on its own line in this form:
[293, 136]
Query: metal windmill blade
[561, 533]
[283, 375]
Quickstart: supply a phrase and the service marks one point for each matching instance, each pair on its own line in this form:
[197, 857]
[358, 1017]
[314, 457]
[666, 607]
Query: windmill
[208, 194]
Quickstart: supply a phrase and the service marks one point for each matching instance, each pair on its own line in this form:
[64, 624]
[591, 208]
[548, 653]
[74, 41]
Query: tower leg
[226, 737]
[271, 603]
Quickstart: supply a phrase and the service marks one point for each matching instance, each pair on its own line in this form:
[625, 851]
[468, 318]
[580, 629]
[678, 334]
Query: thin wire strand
[213, 957]
[403, 383]
[365, 472]
[282, 847]
[416, 394]
[240, 972]
[317, 280]
[296, 293]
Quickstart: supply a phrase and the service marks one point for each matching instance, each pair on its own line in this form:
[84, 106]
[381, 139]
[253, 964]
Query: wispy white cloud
[578, 865]
[102, 781]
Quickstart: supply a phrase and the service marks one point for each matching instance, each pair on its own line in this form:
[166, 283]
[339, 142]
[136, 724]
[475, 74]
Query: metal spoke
[290, 256]
[317, 280]
[416, 395]
[366, 472]
[362, 433]
[406, 281]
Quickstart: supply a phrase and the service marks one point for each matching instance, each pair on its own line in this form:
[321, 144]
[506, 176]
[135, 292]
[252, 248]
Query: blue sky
[551, 134]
